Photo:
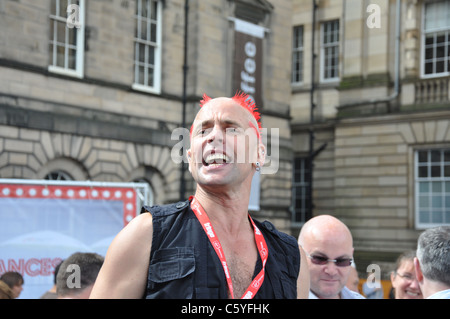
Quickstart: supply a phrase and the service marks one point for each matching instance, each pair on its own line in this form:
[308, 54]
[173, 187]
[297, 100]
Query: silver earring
[258, 166]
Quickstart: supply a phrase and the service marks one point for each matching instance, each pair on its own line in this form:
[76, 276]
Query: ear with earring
[258, 164]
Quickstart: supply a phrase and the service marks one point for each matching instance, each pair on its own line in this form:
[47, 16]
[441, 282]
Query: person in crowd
[51, 293]
[353, 279]
[5, 291]
[328, 244]
[77, 274]
[432, 263]
[372, 288]
[15, 281]
[208, 246]
[403, 278]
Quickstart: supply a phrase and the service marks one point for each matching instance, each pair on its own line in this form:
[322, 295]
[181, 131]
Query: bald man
[328, 245]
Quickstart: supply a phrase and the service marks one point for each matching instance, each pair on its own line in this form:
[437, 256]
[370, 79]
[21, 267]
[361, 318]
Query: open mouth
[216, 159]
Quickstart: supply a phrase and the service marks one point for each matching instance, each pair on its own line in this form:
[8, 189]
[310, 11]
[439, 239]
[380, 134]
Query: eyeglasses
[323, 260]
[407, 277]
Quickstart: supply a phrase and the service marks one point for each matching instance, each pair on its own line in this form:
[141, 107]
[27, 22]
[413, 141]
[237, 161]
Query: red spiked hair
[243, 100]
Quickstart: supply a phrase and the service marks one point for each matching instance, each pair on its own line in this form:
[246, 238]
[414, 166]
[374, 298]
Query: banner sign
[248, 60]
[43, 223]
[247, 77]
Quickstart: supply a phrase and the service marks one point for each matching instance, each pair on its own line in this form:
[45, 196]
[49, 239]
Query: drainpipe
[312, 107]
[396, 92]
[184, 99]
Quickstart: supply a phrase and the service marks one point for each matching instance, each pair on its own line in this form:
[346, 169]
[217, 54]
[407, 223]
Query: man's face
[224, 144]
[328, 280]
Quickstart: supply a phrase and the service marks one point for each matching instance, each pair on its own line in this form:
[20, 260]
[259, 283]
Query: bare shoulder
[139, 227]
[124, 272]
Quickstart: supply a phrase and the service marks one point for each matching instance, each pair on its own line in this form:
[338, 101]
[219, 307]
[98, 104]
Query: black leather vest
[184, 265]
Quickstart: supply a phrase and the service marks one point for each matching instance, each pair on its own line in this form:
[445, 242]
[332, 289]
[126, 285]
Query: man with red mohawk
[209, 246]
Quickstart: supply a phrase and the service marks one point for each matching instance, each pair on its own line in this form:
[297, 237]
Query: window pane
[436, 201]
[424, 187]
[440, 67]
[63, 8]
[423, 156]
[423, 171]
[424, 216]
[153, 32]
[144, 31]
[429, 53]
[151, 55]
[436, 217]
[150, 79]
[72, 59]
[300, 199]
[435, 156]
[429, 40]
[141, 75]
[141, 53]
[52, 30]
[144, 8]
[436, 187]
[154, 12]
[447, 171]
[447, 156]
[58, 176]
[440, 51]
[424, 201]
[60, 55]
[72, 36]
[447, 201]
[61, 32]
[435, 171]
[436, 15]
[447, 217]
[429, 68]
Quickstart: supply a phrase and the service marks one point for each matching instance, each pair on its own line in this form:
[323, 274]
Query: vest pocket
[171, 264]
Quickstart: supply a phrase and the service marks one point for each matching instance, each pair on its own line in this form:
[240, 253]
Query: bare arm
[124, 272]
[303, 277]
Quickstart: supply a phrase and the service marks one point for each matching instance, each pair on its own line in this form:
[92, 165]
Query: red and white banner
[45, 222]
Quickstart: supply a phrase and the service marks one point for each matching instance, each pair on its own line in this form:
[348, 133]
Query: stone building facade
[382, 111]
[100, 102]
[93, 90]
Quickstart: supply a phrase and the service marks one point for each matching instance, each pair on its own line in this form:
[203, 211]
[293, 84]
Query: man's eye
[233, 130]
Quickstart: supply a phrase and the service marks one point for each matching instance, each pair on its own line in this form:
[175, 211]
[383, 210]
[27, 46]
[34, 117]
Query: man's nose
[331, 268]
[216, 134]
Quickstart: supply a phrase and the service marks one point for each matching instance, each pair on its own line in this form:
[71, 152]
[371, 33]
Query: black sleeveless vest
[184, 265]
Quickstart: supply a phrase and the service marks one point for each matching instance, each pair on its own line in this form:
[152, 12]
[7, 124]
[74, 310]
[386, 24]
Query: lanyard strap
[211, 234]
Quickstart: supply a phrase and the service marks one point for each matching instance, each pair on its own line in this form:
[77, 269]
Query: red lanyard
[211, 234]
